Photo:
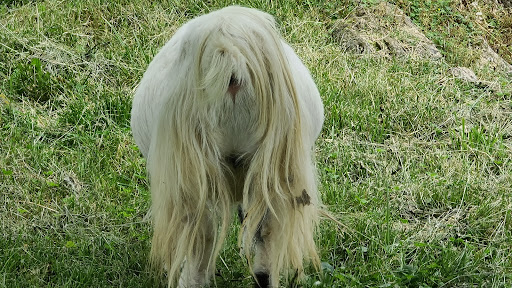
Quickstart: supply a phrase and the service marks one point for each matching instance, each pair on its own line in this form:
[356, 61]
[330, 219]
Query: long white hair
[226, 113]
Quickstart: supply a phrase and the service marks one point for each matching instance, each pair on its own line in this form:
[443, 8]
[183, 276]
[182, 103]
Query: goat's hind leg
[198, 269]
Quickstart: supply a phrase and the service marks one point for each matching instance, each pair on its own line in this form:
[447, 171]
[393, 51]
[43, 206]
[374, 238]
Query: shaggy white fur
[226, 113]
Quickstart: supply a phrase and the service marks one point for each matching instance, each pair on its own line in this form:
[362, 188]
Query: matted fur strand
[227, 114]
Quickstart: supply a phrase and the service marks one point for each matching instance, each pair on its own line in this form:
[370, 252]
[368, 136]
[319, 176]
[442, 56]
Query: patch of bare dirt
[384, 30]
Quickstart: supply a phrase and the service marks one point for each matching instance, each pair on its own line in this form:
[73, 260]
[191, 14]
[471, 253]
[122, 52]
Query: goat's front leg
[261, 265]
[261, 268]
[263, 255]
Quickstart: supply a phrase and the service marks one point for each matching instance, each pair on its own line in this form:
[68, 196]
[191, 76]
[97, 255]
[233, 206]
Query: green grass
[416, 165]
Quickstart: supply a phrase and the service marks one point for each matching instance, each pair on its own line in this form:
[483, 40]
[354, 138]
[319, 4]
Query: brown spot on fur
[304, 199]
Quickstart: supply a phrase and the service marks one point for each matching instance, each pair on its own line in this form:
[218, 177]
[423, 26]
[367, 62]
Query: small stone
[464, 74]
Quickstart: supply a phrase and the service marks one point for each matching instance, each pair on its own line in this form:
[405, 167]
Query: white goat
[227, 114]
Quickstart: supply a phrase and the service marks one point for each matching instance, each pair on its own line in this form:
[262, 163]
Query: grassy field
[415, 164]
